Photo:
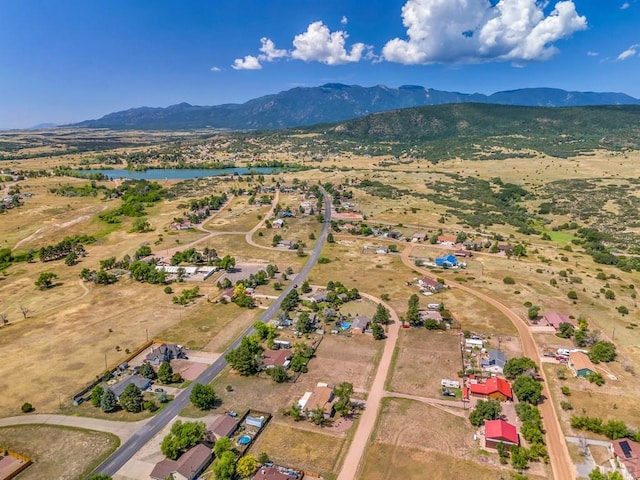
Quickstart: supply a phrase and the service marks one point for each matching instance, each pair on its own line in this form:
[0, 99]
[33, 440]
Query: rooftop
[492, 385]
[580, 361]
[223, 426]
[499, 430]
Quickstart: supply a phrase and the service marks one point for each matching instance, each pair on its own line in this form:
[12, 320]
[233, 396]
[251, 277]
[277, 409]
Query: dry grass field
[412, 438]
[422, 359]
[302, 449]
[58, 452]
[238, 216]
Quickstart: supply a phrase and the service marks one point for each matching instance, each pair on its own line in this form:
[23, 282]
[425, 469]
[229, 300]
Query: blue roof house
[448, 261]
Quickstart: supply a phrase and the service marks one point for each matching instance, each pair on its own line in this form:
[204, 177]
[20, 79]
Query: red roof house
[494, 388]
[554, 319]
[499, 431]
[627, 453]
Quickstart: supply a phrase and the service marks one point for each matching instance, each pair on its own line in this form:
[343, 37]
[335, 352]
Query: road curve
[561, 463]
[121, 456]
[367, 421]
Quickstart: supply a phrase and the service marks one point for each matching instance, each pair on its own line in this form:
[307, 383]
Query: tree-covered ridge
[482, 131]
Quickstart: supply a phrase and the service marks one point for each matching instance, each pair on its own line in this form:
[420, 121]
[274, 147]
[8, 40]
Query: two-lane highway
[126, 451]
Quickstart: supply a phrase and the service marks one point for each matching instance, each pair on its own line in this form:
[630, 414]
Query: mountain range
[333, 102]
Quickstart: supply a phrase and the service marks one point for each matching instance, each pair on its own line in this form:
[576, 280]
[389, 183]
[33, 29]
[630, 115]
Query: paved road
[367, 422]
[155, 424]
[561, 463]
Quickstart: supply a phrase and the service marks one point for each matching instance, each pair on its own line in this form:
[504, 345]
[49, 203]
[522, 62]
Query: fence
[25, 463]
[114, 366]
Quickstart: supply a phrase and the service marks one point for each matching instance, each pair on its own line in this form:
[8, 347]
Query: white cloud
[625, 5]
[593, 54]
[269, 51]
[249, 62]
[216, 69]
[632, 51]
[319, 44]
[344, 20]
[469, 31]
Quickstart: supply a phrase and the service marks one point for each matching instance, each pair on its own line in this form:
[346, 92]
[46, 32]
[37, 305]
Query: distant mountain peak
[333, 102]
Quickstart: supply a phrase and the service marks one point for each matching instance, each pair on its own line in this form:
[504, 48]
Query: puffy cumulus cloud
[469, 31]
[216, 69]
[632, 51]
[269, 51]
[625, 5]
[249, 62]
[344, 20]
[319, 44]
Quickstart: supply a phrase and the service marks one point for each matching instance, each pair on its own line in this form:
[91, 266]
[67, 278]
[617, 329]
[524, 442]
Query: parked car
[159, 390]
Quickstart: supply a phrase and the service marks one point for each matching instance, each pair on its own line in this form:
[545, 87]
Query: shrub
[508, 281]
[572, 295]
[565, 391]
[26, 407]
[566, 405]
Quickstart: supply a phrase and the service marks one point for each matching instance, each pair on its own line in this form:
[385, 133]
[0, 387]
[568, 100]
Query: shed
[499, 431]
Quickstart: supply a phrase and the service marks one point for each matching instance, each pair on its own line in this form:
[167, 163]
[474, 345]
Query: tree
[71, 259]
[305, 288]
[26, 407]
[413, 314]
[147, 371]
[382, 315]
[485, 410]
[165, 372]
[596, 474]
[596, 378]
[224, 468]
[203, 396]
[304, 323]
[183, 436]
[244, 359]
[4, 318]
[108, 402]
[519, 250]
[317, 416]
[290, 301]
[24, 311]
[565, 330]
[300, 250]
[45, 280]
[295, 412]
[572, 295]
[603, 351]
[223, 444]
[96, 395]
[377, 331]
[99, 476]
[330, 238]
[533, 311]
[131, 399]
[227, 263]
[514, 367]
[343, 393]
[527, 389]
[519, 457]
[141, 225]
[278, 374]
[247, 466]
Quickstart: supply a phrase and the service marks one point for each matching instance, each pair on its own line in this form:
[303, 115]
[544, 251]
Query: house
[316, 297]
[140, 382]
[394, 235]
[274, 473]
[580, 364]
[430, 315]
[627, 455]
[450, 240]
[473, 343]
[554, 319]
[273, 358]
[165, 352]
[495, 361]
[286, 244]
[494, 388]
[360, 323]
[505, 248]
[223, 426]
[418, 237]
[279, 223]
[190, 464]
[463, 253]
[321, 397]
[499, 431]
[448, 261]
[430, 285]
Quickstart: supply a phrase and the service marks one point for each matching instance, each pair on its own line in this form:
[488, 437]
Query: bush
[324, 260]
[572, 295]
[566, 405]
[565, 391]
[508, 281]
[26, 407]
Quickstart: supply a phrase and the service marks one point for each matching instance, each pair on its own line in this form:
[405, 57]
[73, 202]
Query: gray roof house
[140, 382]
[360, 323]
[190, 464]
[495, 361]
[165, 352]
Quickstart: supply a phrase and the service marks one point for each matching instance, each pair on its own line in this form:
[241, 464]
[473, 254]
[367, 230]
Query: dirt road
[367, 421]
[561, 463]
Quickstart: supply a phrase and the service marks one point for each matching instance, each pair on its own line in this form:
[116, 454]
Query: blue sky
[72, 60]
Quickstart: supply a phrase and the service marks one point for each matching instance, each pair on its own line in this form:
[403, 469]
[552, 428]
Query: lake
[182, 173]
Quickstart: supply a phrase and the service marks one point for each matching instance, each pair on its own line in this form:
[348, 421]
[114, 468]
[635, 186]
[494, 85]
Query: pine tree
[108, 402]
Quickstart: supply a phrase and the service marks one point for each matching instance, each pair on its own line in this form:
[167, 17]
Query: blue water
[346, 325]
[244, 440]
[182, 173]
